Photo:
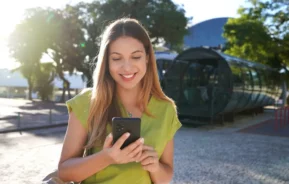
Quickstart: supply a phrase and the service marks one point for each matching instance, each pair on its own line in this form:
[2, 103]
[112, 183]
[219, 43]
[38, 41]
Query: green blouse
[155, 131]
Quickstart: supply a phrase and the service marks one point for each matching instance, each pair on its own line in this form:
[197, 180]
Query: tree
[61, 37]
[65, 35]
[27, 73]
[261, 33]
[43, 82]
[44, 31]
[27, 48]
[85, 39]
[71, 36]
[159, 17]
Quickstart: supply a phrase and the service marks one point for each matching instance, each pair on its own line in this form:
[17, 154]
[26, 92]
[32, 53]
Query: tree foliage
[71, 36]
[158, 17]
[43, 82]
[260, 33]
[27, 47]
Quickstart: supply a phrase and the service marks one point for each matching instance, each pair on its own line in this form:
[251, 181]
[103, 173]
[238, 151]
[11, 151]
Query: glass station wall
[195, 86]
[253, 85]
[211, 84]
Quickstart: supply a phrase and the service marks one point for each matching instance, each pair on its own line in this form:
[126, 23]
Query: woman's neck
[128, 97]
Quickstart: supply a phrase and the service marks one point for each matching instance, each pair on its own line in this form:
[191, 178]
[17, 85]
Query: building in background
[206, 34]
[14, 85]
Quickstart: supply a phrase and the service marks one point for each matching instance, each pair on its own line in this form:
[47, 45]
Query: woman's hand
[131, 153]
[149, 159]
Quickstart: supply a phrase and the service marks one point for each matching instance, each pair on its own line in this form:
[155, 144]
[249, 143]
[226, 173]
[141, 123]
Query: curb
[34, 128]
[9, 117]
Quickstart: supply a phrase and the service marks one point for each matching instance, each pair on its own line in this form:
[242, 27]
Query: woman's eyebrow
[120, 54]
[115, 53]
[136, 51]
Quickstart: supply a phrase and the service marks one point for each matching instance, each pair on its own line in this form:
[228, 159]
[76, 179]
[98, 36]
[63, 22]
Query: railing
[281, 117]
[33, 119]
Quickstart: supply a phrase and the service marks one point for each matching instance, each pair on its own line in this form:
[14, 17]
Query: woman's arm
[72, 167]
[161, 171]
[166, 166]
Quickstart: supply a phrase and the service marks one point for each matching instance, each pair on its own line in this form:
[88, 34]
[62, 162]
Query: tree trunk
[65, 81]
[89, 82]
[86, 72]
[67, 85]
[63, 92]
[29, 89]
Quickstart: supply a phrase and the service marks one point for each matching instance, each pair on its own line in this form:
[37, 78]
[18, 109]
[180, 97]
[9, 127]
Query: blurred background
[222, 61]
[47, 48]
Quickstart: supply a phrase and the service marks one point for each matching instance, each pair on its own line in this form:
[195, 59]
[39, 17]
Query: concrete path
[204, 155]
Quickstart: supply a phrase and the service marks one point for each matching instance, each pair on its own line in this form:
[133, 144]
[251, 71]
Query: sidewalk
[26, 158]
[21, 115]
[215, 154]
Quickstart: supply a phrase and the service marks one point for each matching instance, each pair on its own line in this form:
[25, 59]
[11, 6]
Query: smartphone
[122, 125]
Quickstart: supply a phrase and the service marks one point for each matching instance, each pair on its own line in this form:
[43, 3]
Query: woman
[125, 84]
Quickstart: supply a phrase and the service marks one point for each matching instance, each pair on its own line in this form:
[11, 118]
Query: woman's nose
[127, 65]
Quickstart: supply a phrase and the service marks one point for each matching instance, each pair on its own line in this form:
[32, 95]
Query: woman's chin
[128, 86]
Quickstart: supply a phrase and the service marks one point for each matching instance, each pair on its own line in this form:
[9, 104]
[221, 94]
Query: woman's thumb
[108, 141]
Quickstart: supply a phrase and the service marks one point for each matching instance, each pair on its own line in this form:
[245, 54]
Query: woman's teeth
[128, 76]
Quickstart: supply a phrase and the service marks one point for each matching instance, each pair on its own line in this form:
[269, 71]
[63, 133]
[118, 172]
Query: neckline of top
[124, 111]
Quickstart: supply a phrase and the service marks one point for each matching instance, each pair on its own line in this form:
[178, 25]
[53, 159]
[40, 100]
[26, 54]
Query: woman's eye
[115, 59]
[136, 58]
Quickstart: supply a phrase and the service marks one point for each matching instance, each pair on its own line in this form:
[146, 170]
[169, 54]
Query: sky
[11, 12]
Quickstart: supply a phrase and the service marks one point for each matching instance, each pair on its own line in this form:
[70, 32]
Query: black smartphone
[122, 125]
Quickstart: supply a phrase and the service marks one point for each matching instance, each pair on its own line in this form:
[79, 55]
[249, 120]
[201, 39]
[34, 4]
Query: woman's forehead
[126, 45]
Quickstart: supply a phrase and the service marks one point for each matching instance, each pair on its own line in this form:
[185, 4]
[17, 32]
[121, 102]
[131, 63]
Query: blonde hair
[103, 105]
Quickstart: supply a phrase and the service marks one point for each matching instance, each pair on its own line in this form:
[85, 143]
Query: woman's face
[127, 62]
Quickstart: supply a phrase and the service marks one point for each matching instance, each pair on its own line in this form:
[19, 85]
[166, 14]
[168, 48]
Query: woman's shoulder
[79, 105]
[166, 109]
[167, 104]
[85, 93]
[82, 97]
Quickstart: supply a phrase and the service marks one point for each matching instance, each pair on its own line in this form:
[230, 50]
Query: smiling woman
[126, 84]
[127, 62]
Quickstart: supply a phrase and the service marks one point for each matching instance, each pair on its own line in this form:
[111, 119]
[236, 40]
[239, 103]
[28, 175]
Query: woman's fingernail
[142, 140]
[127, 134]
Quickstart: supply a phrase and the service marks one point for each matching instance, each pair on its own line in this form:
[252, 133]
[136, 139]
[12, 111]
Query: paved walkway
[204, 155]
[26, 158]
[19, 114]
[270, 127]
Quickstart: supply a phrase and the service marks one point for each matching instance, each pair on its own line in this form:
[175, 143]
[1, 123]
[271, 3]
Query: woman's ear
[147, 58]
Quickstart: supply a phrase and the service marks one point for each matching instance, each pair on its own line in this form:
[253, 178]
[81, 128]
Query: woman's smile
[128, 77]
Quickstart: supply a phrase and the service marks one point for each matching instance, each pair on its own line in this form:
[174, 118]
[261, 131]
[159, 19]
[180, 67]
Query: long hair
[103, 104]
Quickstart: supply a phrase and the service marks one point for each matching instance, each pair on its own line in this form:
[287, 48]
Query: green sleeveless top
[155, 131]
